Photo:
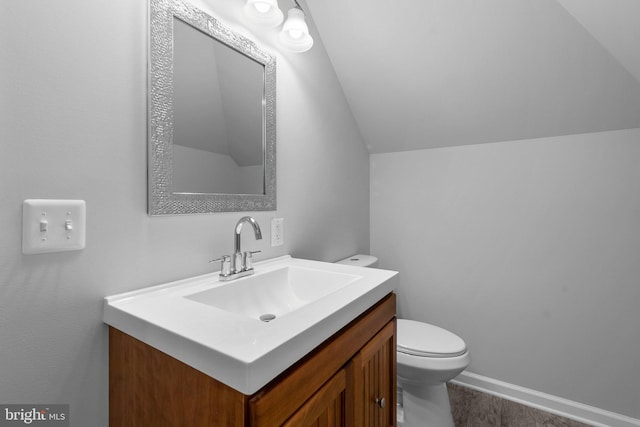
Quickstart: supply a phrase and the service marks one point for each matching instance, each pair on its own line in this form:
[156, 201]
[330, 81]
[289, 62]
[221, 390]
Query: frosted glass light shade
[295, 33]
[263, 12]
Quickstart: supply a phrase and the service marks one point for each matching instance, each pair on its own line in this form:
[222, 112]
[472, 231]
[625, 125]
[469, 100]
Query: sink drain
[267, 317]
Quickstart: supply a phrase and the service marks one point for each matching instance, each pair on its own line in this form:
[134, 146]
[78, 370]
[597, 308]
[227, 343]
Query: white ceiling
[431, 73]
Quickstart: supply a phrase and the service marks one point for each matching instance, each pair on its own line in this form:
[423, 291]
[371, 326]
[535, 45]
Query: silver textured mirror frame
[161, 198]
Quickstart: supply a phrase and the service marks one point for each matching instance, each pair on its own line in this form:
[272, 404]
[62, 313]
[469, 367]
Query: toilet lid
[423, 339]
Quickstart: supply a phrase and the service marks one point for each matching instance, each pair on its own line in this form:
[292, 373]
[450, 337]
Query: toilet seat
[425, 340]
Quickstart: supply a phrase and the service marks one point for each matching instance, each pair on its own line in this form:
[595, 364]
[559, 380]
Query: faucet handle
[225, 265]
[247, 259]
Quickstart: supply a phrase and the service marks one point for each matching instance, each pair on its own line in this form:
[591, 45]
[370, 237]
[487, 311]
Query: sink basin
[275, 293]
[216, 328]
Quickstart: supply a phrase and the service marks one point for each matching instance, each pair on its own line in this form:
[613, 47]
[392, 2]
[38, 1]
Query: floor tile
[471, 408]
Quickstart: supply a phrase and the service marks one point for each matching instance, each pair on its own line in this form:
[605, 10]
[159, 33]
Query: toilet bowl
[427, 357]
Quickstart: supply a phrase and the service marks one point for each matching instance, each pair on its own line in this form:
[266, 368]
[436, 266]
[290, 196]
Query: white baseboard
[545, 402]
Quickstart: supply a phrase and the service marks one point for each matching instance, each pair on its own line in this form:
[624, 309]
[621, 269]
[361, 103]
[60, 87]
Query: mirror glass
[211, 115]
[217, 139]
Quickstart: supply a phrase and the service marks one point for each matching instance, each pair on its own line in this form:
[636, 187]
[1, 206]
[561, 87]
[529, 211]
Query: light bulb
[295, 33]
[262, 7]
[263, 12]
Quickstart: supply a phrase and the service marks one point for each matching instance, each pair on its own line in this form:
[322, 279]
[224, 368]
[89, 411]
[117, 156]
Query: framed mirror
[211, 116]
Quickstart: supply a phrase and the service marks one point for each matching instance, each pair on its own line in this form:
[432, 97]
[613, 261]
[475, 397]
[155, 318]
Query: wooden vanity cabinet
[349, 380]
[326, 407]
[374, 369]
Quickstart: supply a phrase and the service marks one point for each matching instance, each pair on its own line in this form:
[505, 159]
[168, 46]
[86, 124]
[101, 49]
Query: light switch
[53, 225]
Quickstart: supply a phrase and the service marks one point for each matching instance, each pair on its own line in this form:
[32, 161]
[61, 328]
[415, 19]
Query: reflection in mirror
[217, 140]
[212, 140]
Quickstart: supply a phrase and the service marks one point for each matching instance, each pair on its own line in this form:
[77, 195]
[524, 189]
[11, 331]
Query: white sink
[271, 295]
[215, 326]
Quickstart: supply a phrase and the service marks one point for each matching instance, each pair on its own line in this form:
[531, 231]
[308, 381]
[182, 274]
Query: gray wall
[529, 250]
[73, 125]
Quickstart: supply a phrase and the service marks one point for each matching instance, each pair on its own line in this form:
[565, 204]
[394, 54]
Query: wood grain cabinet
[375, 380]
[349, 380]
[327, 407]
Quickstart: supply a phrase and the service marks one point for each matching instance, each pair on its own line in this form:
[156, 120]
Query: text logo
[34, 415]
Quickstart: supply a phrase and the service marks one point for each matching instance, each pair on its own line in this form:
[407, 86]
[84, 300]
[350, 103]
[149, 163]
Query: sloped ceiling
[615, 24]
[431, 73]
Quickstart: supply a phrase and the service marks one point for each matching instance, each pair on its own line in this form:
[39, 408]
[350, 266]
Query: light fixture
[294, 35]
[263, 12]
[295, 32]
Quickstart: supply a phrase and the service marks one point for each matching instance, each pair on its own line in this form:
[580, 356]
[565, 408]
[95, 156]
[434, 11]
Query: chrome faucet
[239, 258]
[240, 264]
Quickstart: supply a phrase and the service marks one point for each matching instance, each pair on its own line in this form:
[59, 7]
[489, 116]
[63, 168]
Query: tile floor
[472, 408]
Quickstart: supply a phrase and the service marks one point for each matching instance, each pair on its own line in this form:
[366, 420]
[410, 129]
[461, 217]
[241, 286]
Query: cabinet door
[279, 401]
[375, 380]
[325, 408]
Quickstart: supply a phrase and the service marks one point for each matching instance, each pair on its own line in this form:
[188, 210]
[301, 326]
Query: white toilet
[428, 357]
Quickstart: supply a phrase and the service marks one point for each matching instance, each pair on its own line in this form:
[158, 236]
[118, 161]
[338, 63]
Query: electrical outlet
[277, 232]
[53, 225]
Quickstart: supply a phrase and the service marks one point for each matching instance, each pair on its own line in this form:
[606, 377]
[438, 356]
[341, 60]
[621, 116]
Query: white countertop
[241, 352]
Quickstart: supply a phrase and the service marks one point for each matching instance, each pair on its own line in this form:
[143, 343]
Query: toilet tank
[360, 260]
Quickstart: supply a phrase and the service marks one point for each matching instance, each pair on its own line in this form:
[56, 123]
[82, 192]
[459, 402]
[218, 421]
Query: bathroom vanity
[331, 361]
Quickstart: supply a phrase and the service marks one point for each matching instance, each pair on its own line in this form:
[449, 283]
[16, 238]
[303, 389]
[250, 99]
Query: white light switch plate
[277, 232]
[53, 225]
